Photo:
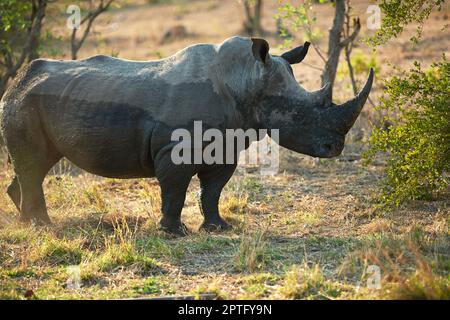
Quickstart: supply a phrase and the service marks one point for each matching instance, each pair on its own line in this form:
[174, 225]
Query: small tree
[338, 37]
[348, 46]
[336, 40]
[86, 23]
[20, 30]
[252, 23]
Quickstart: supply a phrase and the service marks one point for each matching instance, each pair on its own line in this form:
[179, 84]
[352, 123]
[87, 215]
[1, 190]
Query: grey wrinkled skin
[114, 118]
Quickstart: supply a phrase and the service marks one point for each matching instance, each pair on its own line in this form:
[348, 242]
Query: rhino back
[174, 91]
[111, 116]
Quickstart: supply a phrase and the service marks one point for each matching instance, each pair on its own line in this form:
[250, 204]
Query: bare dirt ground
[309, 232]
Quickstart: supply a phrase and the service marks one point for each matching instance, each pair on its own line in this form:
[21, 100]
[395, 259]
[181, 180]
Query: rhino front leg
[211, 185]
[174, 181]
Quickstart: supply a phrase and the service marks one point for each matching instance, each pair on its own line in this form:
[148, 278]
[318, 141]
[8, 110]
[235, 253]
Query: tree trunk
[35, 39]
[252, 24]
[257, 18]
[334, 45]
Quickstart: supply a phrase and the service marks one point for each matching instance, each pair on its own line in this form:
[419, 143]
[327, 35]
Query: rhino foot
[178, 230]
[37, 221]
[212, 226]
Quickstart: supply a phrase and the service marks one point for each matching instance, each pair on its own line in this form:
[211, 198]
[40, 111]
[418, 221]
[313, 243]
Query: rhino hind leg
[211, 184]
[32, 206]
[32, 156]
[32, 201]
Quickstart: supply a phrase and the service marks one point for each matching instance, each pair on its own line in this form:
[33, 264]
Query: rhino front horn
[296, 55]
[347, 113]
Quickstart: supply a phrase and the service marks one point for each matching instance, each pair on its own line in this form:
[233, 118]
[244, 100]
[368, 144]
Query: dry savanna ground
[310, 232]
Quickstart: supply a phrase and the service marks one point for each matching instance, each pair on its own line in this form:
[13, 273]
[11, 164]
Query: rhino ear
[260, 49]
[296, 55]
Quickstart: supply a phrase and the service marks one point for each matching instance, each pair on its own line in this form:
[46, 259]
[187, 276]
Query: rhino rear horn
[296, 55]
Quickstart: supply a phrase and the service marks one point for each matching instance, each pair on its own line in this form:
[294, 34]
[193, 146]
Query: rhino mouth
[329, 150]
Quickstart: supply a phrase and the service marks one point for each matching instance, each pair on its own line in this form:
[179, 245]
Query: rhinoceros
[114, 118]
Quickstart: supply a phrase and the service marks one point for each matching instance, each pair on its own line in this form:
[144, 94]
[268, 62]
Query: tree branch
[311, 66]
[89, 18]
[352, 37]
[33, 32]
[248, 15]
[35, 27]
[319, 52]
[348, 46]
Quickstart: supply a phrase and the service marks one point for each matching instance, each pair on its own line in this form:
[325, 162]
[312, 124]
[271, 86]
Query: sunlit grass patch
[54, 251]
[206, 243]
[423, 284]
[234, 205]
[260, 285]
[234, 208]
[124, 255]
[379, 225]
[150, 286]
[253, 252]
[306, 282]
[160, 248]
[19, 272]
[309, 218]
[16, 234]
[411, 265]
[256, 290]
[62, 192]
[10, 290]
[213, 288]
[93, 196]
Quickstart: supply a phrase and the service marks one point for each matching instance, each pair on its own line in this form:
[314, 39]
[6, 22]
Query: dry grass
[295, 236]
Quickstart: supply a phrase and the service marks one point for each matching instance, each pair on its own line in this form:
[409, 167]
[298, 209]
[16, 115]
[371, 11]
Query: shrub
[417, 139]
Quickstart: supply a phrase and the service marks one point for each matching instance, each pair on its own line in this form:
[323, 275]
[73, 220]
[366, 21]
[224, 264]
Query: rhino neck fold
[282, 114]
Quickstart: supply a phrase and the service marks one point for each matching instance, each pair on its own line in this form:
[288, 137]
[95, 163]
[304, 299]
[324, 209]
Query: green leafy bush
[417, 139]
[397, 14]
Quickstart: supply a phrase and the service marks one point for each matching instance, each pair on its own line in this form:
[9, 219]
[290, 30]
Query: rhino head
[308, 122]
